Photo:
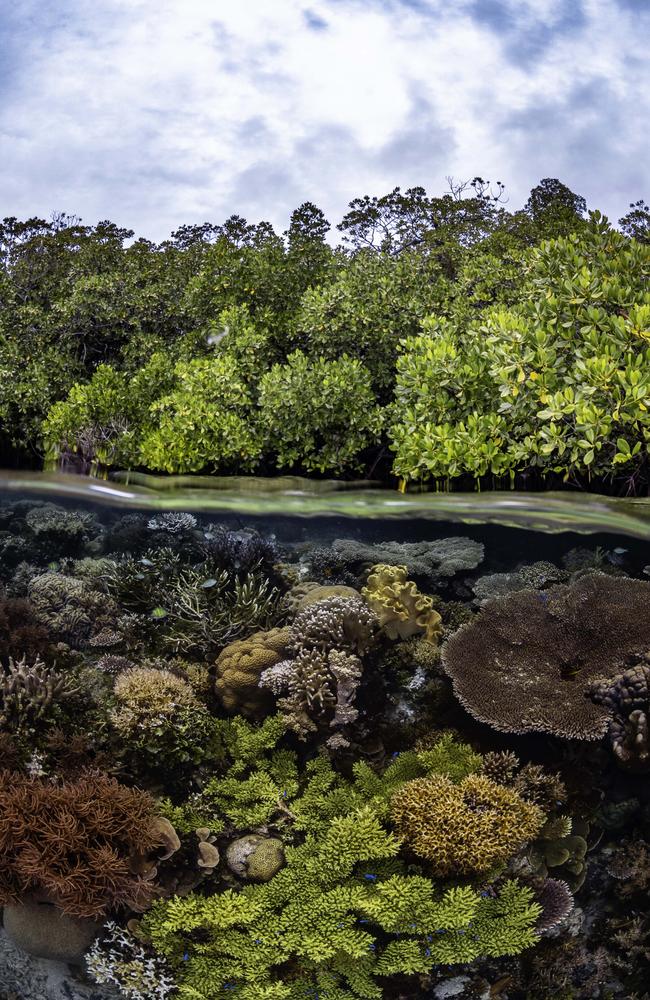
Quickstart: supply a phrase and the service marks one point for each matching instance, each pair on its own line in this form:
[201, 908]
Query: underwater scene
[279, 744]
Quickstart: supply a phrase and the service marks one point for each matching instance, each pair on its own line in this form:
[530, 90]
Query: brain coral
[402, 610]
[240, 665]
[526, 661]
[466, 827]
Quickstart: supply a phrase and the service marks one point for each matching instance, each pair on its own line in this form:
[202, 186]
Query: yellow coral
[402, 610]
[144, 693]
[466, 827]
[239, 666]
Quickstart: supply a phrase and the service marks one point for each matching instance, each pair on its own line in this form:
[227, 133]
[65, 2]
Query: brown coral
[526, 662]
[627, 697]
[240, 665]
[402, 610]
[464, 828]
[29, 692]
[72, 843]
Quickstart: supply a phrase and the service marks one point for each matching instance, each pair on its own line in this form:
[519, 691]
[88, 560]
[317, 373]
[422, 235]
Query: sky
[156, 113]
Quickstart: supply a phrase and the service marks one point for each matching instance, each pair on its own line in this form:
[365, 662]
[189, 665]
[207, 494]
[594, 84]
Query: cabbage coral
[402, 610]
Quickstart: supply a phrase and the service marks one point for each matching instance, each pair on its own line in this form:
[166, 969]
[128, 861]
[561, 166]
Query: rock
[42, 930]
[23, 977]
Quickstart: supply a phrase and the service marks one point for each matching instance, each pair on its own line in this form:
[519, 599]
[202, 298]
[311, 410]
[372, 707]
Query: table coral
[526, 661]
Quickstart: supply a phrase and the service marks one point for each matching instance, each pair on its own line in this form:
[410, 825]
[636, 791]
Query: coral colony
[227, 773]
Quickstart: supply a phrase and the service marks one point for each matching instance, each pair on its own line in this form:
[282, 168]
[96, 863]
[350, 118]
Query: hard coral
[526, 661]
[71, 843]
[70, 608]
[20, 631]
[627, 697]
[29, 692]
[402, 610]
[240, 665]
[467, 827]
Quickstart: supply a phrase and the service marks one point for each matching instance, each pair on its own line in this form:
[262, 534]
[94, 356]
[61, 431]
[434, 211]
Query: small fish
[208, 583]
[159, 613]
[646, 570]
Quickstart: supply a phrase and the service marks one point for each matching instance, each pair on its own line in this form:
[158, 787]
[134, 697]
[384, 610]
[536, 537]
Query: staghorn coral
[467, 827]
[627, 698]
[118, 959]
[72, 843]
[336, 929]
[402, 610]
[172, 523]
[191, 610]
[70, 608]
[526, 662]
[30, 693]
[240, 665]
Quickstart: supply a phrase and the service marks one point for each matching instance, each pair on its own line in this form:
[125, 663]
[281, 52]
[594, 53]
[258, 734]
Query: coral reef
[240, 665]
[467, 827]
[526, 662]
[321, 912]
[159, 718]
[401, 609]
[70, 608]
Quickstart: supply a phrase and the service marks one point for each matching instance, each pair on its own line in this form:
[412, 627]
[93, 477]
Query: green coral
[336, 920]
[402, 610]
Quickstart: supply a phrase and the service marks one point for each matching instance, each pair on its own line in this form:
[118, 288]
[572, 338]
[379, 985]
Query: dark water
[521, 598]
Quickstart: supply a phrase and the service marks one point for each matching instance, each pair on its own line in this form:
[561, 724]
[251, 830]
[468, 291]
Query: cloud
[156, 114]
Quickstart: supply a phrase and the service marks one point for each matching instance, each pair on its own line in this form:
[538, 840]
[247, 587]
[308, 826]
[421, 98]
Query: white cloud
[159, 113]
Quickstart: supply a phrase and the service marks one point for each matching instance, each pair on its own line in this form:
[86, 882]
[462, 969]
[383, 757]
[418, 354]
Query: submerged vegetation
[238, 766]
[447, 339]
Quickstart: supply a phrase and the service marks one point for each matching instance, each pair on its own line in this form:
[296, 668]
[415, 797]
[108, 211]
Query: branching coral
[29, 692]
[57, 531]
[319, 682]
[188, 609]
[467, 827]
[336, 920]
[118, 959]
[240, 665]
[526, 662]
[627, 698]
[71, 844]
[402, 610]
